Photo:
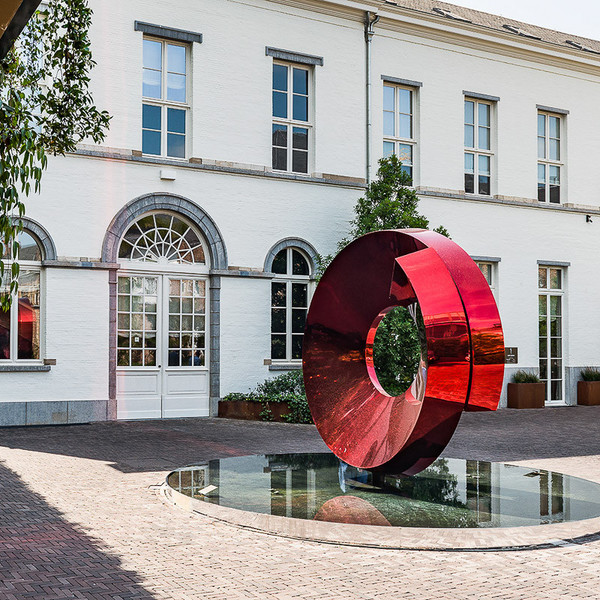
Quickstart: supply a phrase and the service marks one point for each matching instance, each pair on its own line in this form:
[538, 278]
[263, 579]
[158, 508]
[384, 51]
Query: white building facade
[175, 263]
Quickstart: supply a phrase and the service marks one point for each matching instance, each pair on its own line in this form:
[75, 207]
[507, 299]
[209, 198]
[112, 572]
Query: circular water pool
[451, 493]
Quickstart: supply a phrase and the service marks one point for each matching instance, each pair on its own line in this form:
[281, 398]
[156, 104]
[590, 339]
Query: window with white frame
[20, 331]
[551, 326]
[290, 291]
[292, 119]
[165, 91]
[478, 146]
[487, 269]
[549, 157]
[399, 126]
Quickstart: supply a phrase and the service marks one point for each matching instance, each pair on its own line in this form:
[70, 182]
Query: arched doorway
[162, 366]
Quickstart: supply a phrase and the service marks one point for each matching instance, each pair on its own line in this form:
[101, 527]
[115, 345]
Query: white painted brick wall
[76, 335]
[231, 79]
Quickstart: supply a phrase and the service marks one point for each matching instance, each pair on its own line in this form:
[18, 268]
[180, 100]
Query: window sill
[203, 164]
[285, 366]
[161, 157]
[14, 368]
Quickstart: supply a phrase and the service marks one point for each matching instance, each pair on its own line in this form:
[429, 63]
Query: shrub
[525, 377]
[238, 396]
[299, 410]
[289, 388]
[590, 374]
[288, 383]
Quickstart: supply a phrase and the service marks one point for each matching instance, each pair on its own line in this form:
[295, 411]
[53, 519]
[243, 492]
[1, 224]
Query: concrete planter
[588, 393]
[249, 410]
[526, 395]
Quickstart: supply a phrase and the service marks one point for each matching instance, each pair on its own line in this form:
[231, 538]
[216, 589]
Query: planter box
[249, 410]
[588, 393]
[526, 395]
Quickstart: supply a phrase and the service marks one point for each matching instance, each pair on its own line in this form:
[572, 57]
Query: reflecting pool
[450, 493]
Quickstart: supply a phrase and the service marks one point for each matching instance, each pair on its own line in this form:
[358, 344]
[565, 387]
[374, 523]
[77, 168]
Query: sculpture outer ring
[360, 423]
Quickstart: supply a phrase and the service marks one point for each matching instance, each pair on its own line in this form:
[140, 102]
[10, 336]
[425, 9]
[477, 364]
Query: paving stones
[78, 518]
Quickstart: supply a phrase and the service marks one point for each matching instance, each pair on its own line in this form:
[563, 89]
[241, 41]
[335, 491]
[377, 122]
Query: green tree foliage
[45, 107]
[389, 203]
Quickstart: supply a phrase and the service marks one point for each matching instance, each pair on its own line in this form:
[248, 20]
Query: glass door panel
[550, 345]
[187, 323]
[137, 321]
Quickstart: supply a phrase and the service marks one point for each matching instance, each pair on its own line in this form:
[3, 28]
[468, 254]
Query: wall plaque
[511, 356]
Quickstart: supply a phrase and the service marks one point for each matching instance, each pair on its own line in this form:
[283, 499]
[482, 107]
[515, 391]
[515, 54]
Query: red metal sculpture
[462, 370]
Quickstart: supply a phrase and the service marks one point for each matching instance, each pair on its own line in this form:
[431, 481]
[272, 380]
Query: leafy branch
[45, 107]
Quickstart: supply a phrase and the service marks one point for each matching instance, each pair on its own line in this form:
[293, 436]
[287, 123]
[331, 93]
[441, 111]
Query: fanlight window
[162, 238]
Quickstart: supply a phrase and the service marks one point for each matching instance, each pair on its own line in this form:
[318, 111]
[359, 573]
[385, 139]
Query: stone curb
[396, 538]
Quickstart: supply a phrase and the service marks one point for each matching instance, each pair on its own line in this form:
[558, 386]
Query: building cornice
[473, 36]
[491, 41]
[527, 203]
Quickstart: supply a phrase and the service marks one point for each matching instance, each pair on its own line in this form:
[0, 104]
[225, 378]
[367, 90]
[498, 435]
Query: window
[289, 304]
[478, 145]
[487, 268]
[291, 126]
[165, 107]
[398, 125]
[549, 157]
[20, 327]
[550, 302]
[162, 238]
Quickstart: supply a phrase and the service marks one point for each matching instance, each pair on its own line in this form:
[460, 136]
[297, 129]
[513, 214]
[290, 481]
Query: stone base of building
[14, 414]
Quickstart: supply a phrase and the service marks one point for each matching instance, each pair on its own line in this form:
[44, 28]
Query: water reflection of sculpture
[461, 367]
[367, 497]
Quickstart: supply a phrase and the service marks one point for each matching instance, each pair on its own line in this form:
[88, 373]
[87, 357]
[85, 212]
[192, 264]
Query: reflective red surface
[351, 509]
[463, 367]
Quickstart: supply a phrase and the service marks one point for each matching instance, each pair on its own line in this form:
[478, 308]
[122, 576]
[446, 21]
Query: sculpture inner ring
[463, 367]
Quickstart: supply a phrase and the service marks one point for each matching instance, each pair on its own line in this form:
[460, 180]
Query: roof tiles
[502, 24]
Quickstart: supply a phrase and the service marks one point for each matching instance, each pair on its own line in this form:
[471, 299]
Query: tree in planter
[45, 107]
[389, 203]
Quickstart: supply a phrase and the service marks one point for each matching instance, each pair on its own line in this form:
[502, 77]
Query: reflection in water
[479, 489]
[350, 509]
[450, 493]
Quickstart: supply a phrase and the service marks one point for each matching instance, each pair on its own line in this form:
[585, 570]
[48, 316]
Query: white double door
[162, 346]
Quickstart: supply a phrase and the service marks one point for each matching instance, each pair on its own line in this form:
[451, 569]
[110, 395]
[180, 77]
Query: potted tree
[526, 391]
[588, 389]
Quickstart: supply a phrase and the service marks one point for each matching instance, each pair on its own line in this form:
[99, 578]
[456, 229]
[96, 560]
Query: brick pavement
[79, 518]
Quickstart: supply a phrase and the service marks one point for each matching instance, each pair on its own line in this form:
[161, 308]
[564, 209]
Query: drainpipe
[370, 21]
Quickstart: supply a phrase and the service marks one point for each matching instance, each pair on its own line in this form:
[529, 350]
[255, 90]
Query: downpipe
[371, 20]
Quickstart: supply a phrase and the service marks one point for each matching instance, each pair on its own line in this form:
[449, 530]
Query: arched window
[289, 303]
[20, 329]
[162, 238]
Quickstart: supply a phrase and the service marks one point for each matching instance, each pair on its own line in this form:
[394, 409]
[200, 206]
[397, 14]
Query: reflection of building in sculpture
[494, 121]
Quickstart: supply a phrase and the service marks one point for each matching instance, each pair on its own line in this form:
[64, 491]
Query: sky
[579, 17]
